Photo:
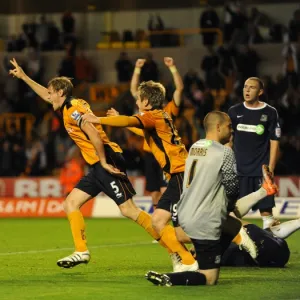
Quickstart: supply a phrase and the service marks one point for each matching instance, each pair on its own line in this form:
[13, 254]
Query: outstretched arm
[177, 96]
[116, 121]
[39, 89]
[112, 112]
[135, 80]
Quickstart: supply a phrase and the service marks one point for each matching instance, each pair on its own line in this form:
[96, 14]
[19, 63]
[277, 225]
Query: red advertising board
[49, 187]
[46, 187]
[38, 207]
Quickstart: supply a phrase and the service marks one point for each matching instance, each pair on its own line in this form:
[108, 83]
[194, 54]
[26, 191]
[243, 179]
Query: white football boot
[178, 266]
[247, 244]
[74, 259]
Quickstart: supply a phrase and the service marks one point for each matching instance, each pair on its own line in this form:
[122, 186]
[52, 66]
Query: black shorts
[171, 196]
[153, 173]
[99, 180]
[208, 253]
[249, 185]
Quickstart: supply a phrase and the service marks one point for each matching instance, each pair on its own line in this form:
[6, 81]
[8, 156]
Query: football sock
[145, 221]
[267, 221]
[244, 204]
[78, 230]
[238, 238]
[187, 278]
[168, 237]
[285, 229]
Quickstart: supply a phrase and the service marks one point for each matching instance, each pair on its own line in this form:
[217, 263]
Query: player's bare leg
[155, 195]
[72, 206]
[285, 229]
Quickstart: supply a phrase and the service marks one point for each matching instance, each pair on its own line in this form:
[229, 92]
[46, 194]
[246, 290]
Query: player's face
[251, 90]
[54, 98]
[226, 131]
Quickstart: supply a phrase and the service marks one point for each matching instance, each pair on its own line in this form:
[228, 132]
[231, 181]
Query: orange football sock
[237, 239]
[145, 221]
[168, 237]
[78, 230]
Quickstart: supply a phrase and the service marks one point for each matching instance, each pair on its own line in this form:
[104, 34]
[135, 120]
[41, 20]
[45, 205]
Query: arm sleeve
[146, 119]
[274, 127]
[172, 109]
[229, 173]
[74, 114]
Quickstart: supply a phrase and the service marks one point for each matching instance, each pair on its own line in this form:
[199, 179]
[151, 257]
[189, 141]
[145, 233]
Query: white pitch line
[72, 249]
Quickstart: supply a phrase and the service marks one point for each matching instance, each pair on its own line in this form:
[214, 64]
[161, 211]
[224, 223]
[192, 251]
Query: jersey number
[116, 189]
[175, 139]
[192, 172]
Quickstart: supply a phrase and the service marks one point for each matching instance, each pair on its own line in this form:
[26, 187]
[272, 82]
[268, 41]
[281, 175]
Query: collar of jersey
[66, 102]
[255, 108]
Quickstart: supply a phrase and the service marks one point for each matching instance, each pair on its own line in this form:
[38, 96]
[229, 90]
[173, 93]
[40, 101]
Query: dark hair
[212, 118]
[154, 92]
[62, 83]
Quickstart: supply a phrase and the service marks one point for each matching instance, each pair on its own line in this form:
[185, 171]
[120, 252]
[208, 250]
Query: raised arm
[39, 89]
[135, 80]
[177, 96]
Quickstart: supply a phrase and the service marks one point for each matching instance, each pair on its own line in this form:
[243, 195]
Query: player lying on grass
[273, 250]
[107, 171]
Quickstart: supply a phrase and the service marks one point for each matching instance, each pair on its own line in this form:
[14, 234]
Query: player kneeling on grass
[210, 189]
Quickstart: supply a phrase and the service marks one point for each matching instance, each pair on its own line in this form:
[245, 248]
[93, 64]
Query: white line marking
[72, 249]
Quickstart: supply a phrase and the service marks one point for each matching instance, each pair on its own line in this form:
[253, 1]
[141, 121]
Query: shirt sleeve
[146, 119]
[74, 115]
[172, 109]
[274, 127]
[229, 173]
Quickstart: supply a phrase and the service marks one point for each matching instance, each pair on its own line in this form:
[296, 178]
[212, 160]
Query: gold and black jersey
[72, 110]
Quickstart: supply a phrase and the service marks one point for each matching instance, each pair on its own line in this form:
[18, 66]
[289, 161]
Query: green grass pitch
[121, 254]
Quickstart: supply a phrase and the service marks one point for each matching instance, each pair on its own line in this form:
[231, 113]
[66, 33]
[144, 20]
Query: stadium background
[84, 40]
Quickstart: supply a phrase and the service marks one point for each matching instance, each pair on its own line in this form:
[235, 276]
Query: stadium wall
[42, 198]
[94, 23]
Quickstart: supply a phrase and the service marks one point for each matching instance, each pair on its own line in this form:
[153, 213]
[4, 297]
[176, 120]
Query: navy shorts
[208, 253]
[99, 180]
[248, 185]
[153, 173]
[171, 196]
